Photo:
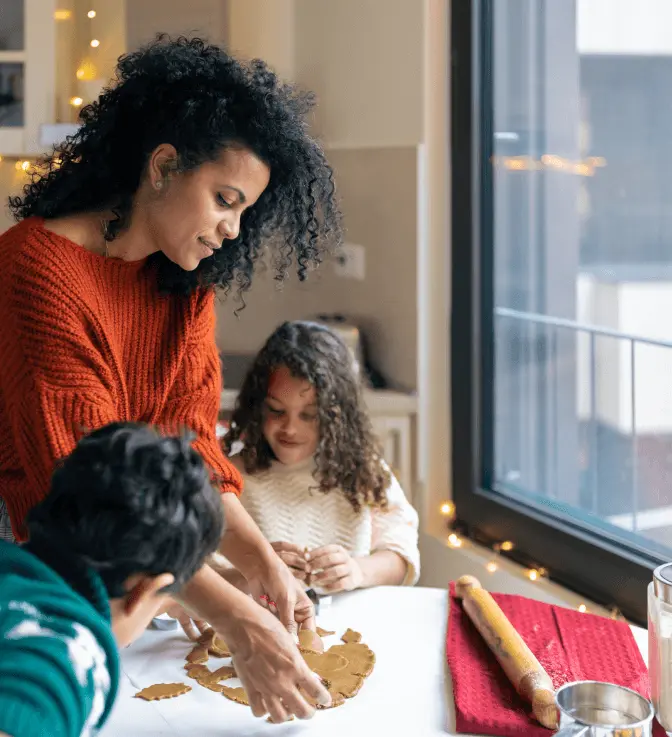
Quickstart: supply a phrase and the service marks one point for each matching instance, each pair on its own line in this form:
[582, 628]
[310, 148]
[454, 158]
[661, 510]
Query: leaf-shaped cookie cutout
[238, 695]
[162, 691]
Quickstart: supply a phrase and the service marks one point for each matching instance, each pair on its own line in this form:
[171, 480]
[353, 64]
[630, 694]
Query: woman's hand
[337, 569]
[294, 558]
[266, 658]
[271, 668]
[276, 589]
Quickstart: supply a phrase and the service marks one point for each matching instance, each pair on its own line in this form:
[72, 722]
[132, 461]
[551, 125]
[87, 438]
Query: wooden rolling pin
[521, 667]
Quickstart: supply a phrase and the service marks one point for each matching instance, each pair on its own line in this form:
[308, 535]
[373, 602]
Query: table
[409, 692]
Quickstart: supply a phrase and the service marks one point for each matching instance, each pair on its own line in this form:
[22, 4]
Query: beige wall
[378, 189]
[146, 18]
[364, 58]
[263, 29]
[434, 430]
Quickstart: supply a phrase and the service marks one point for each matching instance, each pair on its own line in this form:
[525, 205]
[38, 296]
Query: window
[562, 286]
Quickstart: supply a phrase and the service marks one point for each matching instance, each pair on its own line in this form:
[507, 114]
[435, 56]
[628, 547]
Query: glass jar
[660, 644]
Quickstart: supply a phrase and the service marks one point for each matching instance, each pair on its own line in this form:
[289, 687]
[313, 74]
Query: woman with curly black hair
[315, 481]
[183, 170]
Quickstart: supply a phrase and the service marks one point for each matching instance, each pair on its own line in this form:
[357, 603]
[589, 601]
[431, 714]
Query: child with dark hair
[130, 517]
[315, 481]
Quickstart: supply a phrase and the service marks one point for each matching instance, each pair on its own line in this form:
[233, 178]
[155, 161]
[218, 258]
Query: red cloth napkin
[571, 646]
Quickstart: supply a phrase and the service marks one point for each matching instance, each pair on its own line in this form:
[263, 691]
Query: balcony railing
[650, 517]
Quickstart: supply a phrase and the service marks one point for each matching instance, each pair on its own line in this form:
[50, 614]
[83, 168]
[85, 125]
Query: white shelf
[13, 57]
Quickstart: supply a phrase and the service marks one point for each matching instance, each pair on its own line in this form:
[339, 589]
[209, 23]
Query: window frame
[605, 570]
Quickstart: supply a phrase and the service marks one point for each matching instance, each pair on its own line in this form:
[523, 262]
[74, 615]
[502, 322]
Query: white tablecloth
[409, 692]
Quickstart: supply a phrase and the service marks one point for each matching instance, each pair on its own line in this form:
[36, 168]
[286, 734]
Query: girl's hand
[193, 626]
[338, 570]
[276, 589]
[295, 559]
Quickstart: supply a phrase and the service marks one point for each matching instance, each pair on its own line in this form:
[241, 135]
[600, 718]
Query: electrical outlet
[351, 262]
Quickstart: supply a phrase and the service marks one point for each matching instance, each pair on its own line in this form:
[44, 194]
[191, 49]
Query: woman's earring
[158, 184]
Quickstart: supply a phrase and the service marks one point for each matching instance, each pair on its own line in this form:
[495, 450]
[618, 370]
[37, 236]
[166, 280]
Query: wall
[433, 312]
[442, 564]
[364, 58]
[266, 30]
[348, 53]
[378, 189]
[146, 18]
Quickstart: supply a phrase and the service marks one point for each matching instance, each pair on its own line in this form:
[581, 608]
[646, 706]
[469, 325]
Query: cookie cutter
[164, 622]
[596, 709]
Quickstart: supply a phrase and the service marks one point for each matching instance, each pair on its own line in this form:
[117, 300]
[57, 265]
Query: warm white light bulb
[95, 43]
[91, 13]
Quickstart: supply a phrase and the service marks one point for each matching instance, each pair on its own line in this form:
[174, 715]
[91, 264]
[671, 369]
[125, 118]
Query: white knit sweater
[287, 507]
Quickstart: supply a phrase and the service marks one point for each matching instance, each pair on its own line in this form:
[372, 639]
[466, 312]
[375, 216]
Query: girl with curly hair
[315, 482]
[184, 169]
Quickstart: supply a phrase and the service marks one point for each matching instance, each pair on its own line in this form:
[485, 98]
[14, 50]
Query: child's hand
[338, 570]
[193, 626]
[293, 557]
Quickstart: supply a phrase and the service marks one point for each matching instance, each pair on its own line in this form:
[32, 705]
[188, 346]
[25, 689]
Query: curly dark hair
[129, 501]
[348, 456]
[193, 95]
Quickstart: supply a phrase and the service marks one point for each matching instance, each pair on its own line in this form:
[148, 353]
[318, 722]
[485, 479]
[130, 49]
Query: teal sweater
[59, 665]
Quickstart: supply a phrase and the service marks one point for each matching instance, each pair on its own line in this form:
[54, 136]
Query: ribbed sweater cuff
[227, 487]
[21, 719]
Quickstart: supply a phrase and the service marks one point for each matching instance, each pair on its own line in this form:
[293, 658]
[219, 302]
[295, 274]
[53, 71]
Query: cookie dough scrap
[236, 694]
[219, 648]
[223, 673]
[198, 655]
[345, 684]
[162, 691]
[207, 638]
[351, 636]
[308, 640]
[325, 664]
[360, 657]
[324, 633]
[197, 671]
[214, 644]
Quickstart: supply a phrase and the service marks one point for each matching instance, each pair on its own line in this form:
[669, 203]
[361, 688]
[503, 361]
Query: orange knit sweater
[86, 340]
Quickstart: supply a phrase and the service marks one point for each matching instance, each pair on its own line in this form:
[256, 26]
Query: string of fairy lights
[533, 574]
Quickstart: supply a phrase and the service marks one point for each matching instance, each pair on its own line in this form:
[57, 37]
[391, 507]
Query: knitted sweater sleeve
[396, 529]
[195, 396]
[59, 667]
[56, 383]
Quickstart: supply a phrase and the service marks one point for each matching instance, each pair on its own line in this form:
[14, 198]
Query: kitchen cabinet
[27, 74]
